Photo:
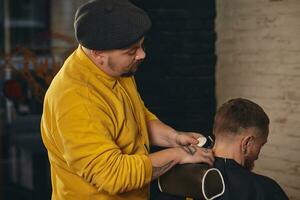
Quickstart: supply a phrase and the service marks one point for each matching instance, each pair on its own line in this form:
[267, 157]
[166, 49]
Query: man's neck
[230, 150]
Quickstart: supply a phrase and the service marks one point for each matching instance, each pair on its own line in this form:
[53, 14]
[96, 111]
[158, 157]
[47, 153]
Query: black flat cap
[110, 24]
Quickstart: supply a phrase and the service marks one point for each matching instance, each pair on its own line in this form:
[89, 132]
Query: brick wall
[258, 50]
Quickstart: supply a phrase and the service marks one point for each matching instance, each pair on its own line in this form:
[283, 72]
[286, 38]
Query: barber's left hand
[187, 138]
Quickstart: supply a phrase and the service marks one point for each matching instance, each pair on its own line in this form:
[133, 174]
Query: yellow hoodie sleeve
[88, 146]
[149, 115]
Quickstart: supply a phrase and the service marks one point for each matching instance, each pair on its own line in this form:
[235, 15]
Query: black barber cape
[242, 184]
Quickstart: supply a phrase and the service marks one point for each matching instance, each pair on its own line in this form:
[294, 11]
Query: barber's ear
[99, 56]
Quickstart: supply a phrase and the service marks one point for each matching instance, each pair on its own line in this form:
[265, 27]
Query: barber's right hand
[195, 154]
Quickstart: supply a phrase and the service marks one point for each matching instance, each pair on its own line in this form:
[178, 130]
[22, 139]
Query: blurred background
[199, 54]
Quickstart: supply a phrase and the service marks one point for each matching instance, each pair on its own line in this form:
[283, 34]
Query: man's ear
[246, 143]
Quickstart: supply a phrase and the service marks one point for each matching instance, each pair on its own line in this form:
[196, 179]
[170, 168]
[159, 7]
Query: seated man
[241, 129]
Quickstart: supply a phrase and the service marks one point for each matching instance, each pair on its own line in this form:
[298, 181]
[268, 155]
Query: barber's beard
[132, 68]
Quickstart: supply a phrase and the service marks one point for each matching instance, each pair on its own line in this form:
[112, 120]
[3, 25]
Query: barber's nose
[140, 54]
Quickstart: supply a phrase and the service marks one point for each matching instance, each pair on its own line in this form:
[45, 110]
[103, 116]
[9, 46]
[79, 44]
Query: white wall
[258, 49]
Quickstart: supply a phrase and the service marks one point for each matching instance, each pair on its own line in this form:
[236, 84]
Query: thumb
[192, 140]
[196, 135]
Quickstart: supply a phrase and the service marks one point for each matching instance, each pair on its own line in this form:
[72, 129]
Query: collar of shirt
[87, 64]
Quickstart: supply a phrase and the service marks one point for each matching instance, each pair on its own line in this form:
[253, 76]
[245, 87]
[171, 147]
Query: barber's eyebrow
[133, 48]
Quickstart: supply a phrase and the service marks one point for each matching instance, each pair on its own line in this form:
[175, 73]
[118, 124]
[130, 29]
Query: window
[29, 24]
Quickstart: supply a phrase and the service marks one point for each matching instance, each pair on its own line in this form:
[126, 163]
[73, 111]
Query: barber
[95, 125]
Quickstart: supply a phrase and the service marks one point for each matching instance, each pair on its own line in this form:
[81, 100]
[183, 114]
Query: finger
[192, 140]
[187, 140]
[209, 162]
[208, 151]
[195, 135]
[191, 134]
[206, 159]
[211, 158]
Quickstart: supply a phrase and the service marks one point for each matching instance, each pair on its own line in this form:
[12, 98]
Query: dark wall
[1, 27]
[177, 79]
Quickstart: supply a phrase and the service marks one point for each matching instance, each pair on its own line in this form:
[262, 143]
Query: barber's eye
[131, 53]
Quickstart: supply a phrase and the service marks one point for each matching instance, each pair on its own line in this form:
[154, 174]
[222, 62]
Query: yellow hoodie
[95, 130]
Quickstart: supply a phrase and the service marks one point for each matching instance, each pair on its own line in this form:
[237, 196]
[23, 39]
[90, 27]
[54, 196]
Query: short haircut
[240, 113]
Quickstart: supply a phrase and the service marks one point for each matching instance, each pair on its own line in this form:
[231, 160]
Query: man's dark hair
[240, 113]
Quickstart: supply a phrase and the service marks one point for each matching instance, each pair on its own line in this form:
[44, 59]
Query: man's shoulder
[253, 179]
[264, 180]
[241, 183]
[268, 186]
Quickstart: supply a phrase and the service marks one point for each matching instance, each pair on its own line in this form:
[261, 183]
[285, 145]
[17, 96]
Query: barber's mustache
[137, 62]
